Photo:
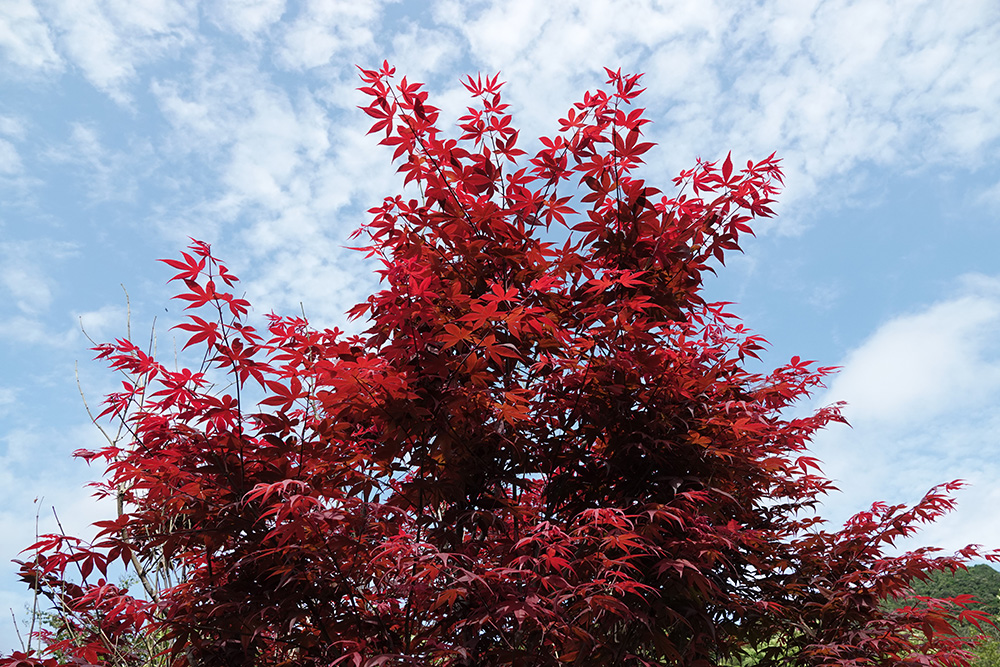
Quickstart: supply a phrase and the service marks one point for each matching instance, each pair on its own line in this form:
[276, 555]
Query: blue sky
[128, 125]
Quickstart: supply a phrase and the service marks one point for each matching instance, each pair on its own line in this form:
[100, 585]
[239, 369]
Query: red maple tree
[539, 452]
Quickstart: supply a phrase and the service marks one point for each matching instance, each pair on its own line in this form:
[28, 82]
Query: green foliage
[980, 581]
[987, 654]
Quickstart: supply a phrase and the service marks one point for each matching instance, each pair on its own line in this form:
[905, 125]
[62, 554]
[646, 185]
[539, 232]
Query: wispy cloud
[913, 88]
[26, 40]
[425, 52]
[323, 33]
[110, 41]
[246, 18]
[284, 165]
[27, 284]
[257, 135]
[830, 85]
[13, 127]
[277, 154]
[98, 324]
[10, 161]
[990, 196]
[8, 397]
[109, 174]
[12, 131]
[28, 288]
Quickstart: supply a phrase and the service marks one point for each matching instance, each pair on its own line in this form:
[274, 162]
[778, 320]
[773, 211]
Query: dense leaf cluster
[538, 453]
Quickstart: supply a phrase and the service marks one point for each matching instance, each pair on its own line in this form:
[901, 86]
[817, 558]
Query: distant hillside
[980, 581]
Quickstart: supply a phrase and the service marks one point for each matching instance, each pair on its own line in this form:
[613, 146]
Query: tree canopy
[538, 452]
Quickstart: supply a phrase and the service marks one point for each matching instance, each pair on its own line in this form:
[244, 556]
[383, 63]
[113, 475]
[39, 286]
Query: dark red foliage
[539, 452]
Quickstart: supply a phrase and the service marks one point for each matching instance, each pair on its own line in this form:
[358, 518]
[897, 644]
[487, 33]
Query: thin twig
[113, 441]
[38, 584]
[20, 639]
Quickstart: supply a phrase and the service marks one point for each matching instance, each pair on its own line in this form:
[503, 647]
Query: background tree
[539, 452]
[979, 581]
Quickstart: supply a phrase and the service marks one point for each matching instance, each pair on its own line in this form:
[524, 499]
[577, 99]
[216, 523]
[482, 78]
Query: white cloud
[8, 398]
[87, 145]
[504, 31]
[898, 465]
[110, 175]
[12, 169]
[425, 52]
[918, 366]
[550, 52]
[246, 18]
[27, 291]
[921, 394]
[97, 324]
[35, 330]
[110, 40]
[267, 142]
[990, 196]
[324, 280]
[90, 39]
[27, 286]
[830, 85]
[10, 161]
[24, 330]
[757, 80]
[12, 127]
[869, 82]
[329, 31]
[289, 174]
[25, 39]
[196, 125]
[272, 146]
[23, 277]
